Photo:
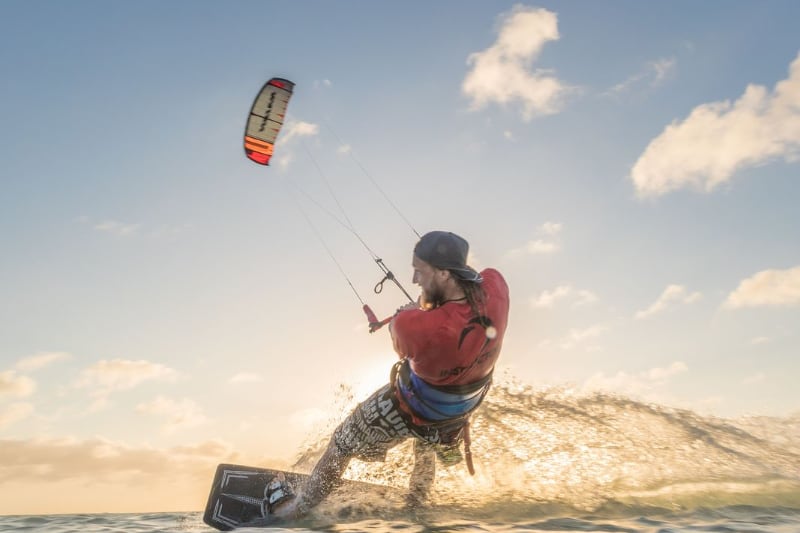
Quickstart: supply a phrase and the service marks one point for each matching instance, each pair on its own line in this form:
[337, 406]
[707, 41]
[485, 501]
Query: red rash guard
[446, 345]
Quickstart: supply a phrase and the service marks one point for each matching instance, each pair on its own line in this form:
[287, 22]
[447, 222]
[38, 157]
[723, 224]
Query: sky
[167, 305]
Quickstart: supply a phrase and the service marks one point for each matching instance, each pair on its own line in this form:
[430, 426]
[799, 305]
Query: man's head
[440, 257]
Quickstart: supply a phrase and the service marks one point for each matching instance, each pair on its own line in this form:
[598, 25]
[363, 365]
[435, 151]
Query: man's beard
[432, 299]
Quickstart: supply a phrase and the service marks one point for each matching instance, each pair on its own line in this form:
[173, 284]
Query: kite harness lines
[264, 122]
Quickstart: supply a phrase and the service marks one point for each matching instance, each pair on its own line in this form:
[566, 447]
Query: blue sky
[631, 169]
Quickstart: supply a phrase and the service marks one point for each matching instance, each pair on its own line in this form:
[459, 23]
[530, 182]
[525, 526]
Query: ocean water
[550, 460]
[726, 519]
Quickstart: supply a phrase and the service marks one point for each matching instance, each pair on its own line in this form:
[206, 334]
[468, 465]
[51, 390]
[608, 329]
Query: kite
[266, 118]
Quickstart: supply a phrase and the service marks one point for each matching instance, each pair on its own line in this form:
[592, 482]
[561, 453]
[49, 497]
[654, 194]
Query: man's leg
[423, 474]
[367, 433]
[323, 479]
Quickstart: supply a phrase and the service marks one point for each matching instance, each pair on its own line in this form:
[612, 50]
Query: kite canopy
[266, 118]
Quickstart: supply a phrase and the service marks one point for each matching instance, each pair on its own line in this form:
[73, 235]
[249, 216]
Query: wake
[550, 450]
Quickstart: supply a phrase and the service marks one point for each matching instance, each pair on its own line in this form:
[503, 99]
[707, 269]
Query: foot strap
[277, 492]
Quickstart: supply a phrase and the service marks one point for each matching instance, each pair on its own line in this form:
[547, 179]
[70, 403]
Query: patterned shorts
[377, 424]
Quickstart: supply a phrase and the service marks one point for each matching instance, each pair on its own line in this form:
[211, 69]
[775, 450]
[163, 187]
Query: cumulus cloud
[14, 385]
[503, 73]
[577, 297]
[298, 128]
[545, 243]
[179, 414]
[775, 288]
[672, 295]
[719, 138]
[41, 360]
[100, 459]
[577, 338]
[635, 384]
[100, 474]
[105, 377]
[292, 130]
[580, 336]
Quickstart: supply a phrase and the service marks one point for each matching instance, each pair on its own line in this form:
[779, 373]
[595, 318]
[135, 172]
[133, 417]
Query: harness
[439, 403]
[444, 407]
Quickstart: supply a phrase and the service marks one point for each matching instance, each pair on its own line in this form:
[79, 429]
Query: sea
[553, 460]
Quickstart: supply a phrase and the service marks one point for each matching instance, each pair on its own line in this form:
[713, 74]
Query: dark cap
[447, 251]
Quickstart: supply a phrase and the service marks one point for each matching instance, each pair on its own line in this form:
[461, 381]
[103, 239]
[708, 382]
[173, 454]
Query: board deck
[237, 496]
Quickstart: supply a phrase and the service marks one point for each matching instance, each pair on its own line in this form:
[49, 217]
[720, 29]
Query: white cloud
[767, 288]
[14, 413]
[551, 228]
[98, 474]
[292, 129]
[502, 73]
[16, 386]
[245, 377]
[755, 379]
[120, 229]
[283, 160]
[580, 335]
[41, 360]
[719, 138]
[344, 149]
[540, 246]
[128, 229]
[550, 298]
[577, 338]
[634, 384]
[179, 414]
[653, 74]
[100, 459]
[171, 231]
[106, 377]
[662, 69]
[298, 128]
[673, 294]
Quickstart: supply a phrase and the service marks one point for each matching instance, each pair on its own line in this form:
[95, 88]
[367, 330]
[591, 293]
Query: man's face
[430, 280]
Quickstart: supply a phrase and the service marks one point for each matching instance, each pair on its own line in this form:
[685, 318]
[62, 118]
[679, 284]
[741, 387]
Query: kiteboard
[238, 495]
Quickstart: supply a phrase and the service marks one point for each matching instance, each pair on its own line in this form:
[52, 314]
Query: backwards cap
[447, 251]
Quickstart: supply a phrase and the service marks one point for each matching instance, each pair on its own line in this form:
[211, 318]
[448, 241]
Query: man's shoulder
[492, 276]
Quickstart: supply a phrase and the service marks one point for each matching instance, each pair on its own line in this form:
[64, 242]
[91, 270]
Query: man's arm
[395, 340]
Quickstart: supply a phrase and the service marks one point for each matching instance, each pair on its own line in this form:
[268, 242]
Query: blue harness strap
[439, 403]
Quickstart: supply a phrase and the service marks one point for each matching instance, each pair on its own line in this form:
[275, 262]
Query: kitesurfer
[448, 343]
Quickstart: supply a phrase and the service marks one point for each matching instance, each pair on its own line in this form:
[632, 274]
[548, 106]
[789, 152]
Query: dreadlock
[476, 299]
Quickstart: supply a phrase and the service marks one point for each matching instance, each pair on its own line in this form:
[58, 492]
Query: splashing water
[539, 452]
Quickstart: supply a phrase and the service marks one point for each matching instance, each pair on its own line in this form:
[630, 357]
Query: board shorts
[378, 424]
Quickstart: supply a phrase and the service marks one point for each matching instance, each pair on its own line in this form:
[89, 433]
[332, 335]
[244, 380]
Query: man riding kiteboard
[448, 343]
